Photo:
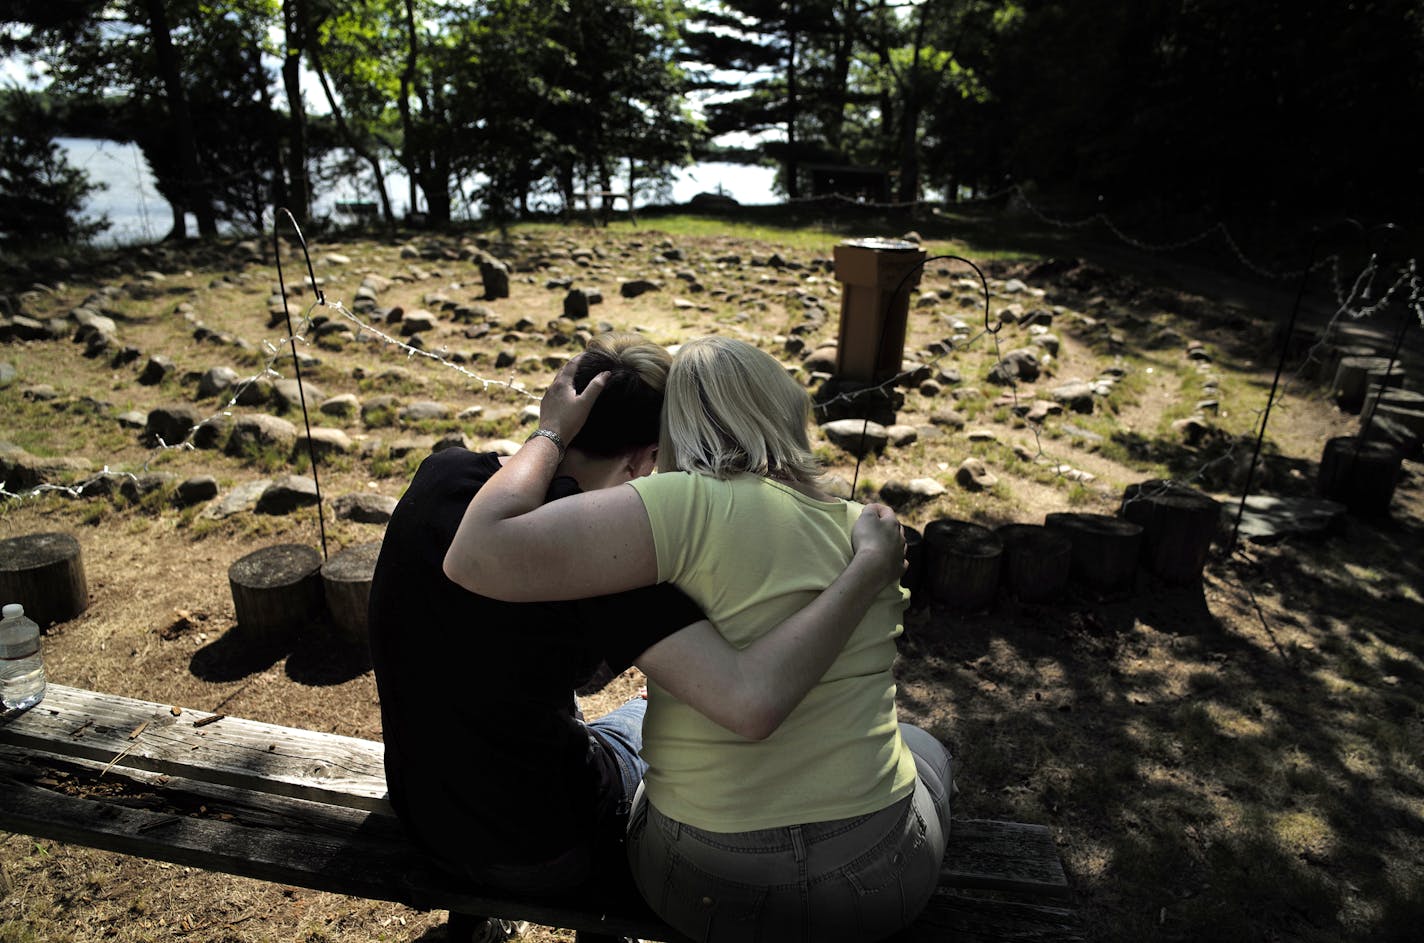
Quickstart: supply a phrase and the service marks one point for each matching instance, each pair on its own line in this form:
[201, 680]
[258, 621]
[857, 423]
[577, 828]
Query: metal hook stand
[296, 362]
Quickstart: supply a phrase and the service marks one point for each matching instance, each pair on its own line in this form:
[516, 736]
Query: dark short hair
[626, 414]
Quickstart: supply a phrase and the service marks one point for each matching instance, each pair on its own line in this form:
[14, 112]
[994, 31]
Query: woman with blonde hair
[830, 826]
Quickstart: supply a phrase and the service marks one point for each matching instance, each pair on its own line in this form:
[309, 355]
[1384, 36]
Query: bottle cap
[14, 610]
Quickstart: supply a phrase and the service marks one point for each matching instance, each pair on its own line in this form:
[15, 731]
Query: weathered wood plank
[965, 919]
[267, 760]
[244, 753]
[280, 839]
[1003, 856]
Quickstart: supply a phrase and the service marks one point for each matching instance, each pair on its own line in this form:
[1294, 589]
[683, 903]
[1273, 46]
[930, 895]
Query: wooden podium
[870, 271]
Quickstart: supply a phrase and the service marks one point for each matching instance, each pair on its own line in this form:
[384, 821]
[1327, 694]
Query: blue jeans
[856, 880]
[601, 866]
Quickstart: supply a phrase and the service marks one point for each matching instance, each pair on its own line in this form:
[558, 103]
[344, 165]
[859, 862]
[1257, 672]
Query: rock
[505, 358]
[286, 494]
[256, 432]
[899, 494]
[379, 410]
[425, 409]
[576, 304]
[133, 419]
[495, 275]
[501, 446]
[1021, 364]
[1076, 396]
[982, 435]
[40, 393]
[930, 388]
[364, 508]
[92, 322]
[856, 436]
[417, 321]
[242, 498]
[195, 490]
[324, 442]
[638, 286]
[400, 448]
[821, 360]
[1014, 286]
[948, 417]
[1267, 518]
[156, 370]
[973, 475]
[450, 440]
[342, 405]
[1074, 474]
[20, 469]
[287, 394]
[1192, 429]
[1049, 342]
[211, 432]
[170, 425]
[136, 487]
[7, 373]
[255, 392]
[216, 381]
[1042, 409]
[902, 435]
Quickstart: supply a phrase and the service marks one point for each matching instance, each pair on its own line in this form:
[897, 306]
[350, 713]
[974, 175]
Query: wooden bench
[309, 809]
[605, 200]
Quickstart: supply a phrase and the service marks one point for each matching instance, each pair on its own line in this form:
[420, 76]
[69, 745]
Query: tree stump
[346, 579]
[1352, 376]
[1360, 475]
[276, 590]
[45, 574]
[1331, 355]
[1036, 561]
[1178, 524]
[961, 563]
[1105, 549]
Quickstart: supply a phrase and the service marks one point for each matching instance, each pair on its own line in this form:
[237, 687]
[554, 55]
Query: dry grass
[1235, 762]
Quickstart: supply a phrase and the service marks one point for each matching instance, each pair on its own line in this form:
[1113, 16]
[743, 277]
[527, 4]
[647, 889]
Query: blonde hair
[731, 409]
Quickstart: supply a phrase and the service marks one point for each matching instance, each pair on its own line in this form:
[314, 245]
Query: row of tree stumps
[279, 591]
[1163, 527]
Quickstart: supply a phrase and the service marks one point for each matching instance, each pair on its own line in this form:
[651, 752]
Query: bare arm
[752, 690]
[511, 546]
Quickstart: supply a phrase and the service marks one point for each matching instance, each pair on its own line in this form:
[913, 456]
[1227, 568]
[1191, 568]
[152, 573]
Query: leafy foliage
[41, 195]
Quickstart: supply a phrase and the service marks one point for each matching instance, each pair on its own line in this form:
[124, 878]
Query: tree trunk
[194, 192]
[793, 105]
[1105, 550]
[298, 194]
[346, 580]
[408, 156]
[276, 591]
[1178, 524]
[1036, 561]
[962, 563]
[45, 574]
[351, 141]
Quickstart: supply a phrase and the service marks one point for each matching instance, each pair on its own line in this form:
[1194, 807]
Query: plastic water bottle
[22, 677]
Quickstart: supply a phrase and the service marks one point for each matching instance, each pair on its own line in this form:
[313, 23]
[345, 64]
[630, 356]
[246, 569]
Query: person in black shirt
[489, 764]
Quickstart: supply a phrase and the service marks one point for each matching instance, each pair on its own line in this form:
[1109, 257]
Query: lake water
[137, 213]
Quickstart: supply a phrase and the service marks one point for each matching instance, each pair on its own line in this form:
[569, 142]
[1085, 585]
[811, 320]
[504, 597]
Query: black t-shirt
[485, 760]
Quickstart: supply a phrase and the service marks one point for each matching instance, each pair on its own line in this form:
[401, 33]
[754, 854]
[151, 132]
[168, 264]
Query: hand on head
[563, 409]
[878, 534]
